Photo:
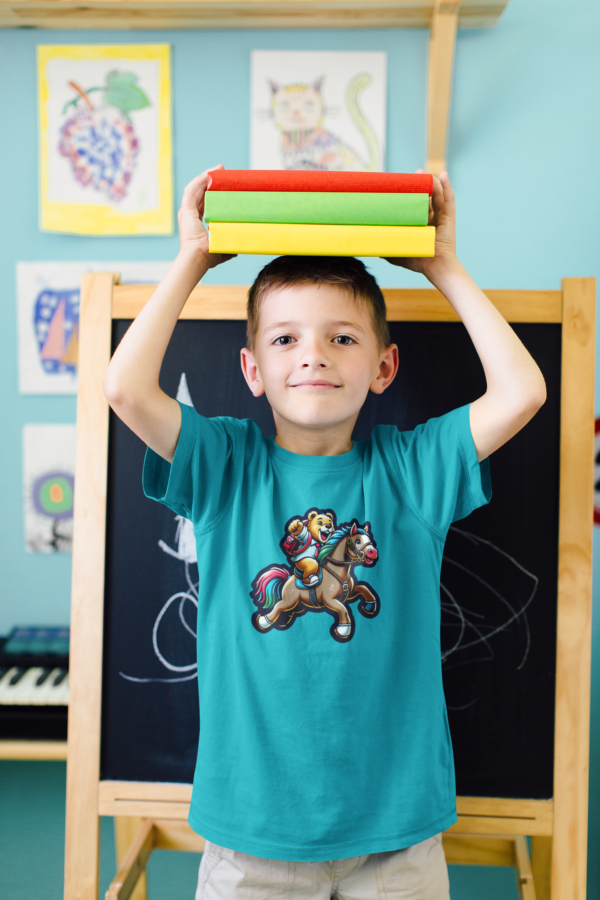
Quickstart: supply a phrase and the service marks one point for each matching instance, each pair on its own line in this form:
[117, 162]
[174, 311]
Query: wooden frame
[211, 14]
[33, 749]
[559, 826]
[442, 44]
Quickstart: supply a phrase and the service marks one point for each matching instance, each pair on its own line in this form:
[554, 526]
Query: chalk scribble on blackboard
[467, 633]
[186, 552]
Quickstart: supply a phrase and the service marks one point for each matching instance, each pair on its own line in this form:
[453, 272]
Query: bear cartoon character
[305, 539]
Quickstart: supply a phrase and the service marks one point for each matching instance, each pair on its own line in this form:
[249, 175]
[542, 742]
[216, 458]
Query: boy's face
[316, 356]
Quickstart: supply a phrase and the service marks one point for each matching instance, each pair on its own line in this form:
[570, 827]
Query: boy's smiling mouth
[317, 383]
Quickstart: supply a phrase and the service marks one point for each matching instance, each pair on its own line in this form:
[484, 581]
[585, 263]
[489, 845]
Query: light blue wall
[523, 153]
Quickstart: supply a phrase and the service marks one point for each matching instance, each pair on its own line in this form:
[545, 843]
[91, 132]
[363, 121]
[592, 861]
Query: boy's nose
[314, 355]
[314, 359]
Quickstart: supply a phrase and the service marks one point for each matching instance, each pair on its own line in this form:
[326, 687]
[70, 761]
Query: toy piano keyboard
[34, 683]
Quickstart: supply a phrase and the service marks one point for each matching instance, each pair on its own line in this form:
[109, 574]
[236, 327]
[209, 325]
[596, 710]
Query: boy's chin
[316, 417]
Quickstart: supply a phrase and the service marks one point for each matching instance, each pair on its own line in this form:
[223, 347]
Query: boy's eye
[283, 339]
[344, 339]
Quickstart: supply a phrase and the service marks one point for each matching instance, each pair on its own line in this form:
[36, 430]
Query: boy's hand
[442, 214]
[193, 236]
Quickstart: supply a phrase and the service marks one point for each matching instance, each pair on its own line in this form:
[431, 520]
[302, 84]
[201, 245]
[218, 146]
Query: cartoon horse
[275, 588]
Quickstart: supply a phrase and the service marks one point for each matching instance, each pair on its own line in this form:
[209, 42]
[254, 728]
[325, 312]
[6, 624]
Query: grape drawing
[100, 142]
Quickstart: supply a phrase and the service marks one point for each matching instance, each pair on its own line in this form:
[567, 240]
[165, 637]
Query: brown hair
[344, 272]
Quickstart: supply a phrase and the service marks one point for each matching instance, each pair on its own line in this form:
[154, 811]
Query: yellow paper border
[75, 218]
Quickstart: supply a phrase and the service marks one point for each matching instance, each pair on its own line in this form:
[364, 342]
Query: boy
[325, 764]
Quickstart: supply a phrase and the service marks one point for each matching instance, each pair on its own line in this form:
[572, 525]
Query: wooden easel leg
[441, 63]
[541, 866]
[574, 626]
[133, 866]
[525, 883]
[82, 833]
[126, 828]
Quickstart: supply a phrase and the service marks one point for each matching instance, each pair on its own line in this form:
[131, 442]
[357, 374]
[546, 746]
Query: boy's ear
[386, 372]
[250, 372]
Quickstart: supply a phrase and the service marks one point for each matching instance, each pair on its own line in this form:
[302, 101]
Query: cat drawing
[298, 111]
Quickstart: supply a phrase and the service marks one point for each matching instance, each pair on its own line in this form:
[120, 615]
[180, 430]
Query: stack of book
[304, 213]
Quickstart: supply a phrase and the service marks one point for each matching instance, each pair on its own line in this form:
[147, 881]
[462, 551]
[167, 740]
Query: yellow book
[321, 240]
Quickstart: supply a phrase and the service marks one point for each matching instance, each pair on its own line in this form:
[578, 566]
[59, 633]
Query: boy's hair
[344, 272]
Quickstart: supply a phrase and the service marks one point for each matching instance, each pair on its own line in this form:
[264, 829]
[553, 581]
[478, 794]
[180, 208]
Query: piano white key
[21, 692]
[49, 694]
[5, 681]
[34, 694]
[26, 686]
[27, 693]
[61, 692]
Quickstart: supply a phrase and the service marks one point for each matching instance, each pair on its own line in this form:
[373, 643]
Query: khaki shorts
[416, 873]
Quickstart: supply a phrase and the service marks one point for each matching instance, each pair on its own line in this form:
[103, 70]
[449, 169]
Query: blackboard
[499, 577]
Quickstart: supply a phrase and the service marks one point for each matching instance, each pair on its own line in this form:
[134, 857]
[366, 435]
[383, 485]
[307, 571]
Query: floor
[32, 821]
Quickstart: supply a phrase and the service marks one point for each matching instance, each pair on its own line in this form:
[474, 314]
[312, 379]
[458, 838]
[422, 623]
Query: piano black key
[42, 677]
[17, 676]
[60, 677]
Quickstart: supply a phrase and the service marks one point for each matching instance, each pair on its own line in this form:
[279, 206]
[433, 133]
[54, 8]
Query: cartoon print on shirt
[323, 556]
[304, 542]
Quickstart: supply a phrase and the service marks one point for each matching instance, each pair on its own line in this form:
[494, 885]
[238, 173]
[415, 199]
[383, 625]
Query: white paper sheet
[48, 481]
[48, 318]
[318, 110]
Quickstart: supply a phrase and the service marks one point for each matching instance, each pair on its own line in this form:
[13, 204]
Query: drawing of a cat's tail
[356, 86]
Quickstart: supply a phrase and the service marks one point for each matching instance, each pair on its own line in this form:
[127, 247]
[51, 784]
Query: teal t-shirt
[323, 724]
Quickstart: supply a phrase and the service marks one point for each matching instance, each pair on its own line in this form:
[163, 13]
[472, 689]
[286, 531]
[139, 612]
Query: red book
[361, 182]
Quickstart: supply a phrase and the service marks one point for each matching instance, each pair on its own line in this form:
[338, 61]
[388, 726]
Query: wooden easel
[489, 831]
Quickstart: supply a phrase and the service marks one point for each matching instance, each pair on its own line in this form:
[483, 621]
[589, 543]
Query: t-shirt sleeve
[440, 471]
[199, 481]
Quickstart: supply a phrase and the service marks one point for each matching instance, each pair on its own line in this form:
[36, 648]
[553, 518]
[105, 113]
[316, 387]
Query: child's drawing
[48, 481]
[318, 110]
[105, 139]
[48, 314]
[56, 325]
[100, 140]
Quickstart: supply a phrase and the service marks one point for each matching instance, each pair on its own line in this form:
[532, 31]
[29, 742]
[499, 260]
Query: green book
[316, 208]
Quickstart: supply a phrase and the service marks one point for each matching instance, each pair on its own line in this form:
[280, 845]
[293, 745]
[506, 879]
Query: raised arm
[131, 381]
[515, 386]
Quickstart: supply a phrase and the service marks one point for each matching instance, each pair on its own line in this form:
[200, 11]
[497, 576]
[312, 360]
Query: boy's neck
[328, 441]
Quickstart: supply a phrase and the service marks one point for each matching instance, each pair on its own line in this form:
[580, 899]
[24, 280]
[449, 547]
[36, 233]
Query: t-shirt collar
[320, 463]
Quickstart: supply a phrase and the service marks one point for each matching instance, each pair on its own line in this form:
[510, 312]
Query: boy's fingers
[433, 199]
[437, 199]
[195, 190]
[438, 191]
[447, 188]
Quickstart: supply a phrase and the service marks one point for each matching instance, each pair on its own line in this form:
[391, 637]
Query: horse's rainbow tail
[267, 587]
